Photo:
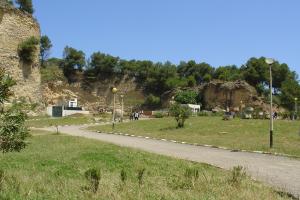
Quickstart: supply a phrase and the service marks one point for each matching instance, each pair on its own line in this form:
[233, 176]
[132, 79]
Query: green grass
[53, 167]
[236, 134]
[43, 121]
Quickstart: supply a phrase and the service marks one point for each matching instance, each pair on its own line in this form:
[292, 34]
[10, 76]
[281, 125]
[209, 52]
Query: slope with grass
[43, 121]
[53, 167]
[250, 135]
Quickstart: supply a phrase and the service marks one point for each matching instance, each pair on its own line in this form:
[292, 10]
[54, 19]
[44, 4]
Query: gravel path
[280, 172]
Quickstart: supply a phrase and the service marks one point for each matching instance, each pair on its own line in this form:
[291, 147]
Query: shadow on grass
[170, 128]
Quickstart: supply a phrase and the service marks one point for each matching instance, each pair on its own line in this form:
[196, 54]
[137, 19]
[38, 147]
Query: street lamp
[122, 107]
[296, 108]
[114, 91]
[270, 61]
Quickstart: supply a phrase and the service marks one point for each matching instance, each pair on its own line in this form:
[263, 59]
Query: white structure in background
[62, 111]
[73, 103]
[194, 108]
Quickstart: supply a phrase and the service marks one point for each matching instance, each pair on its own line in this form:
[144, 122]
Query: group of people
[135, 115]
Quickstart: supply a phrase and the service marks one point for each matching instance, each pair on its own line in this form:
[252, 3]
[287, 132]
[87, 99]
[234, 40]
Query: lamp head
[296, 99]
[269, 61]
[114, 90]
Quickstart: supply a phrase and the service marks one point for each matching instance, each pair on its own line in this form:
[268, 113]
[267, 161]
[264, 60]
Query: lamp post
[296, 108]
[270, 61]
[114, 91]
[122, 107]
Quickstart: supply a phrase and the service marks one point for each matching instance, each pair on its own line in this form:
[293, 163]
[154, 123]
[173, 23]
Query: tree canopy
[25, 5]
[158, 78]
[45, 46]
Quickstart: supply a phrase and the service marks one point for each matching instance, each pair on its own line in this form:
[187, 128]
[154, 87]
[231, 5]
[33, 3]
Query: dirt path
[280, 172]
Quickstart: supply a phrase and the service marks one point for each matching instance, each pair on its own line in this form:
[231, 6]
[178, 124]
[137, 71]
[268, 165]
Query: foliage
[158, 115]
[27, 49]
[94, 177]
[192, 174]
[6, 82]
[45, 46]
[73, 61]
[159, 78]
[181, 114]
[186, 97]
[238, 174]
[152, 101]
[52, 74]
[123, 175]
[228, 73]
[13, 131]
[25, 5]
[103, 65]
[289, 90]
[140, 175]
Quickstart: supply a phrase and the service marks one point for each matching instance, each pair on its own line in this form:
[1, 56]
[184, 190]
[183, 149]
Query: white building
[194, 108]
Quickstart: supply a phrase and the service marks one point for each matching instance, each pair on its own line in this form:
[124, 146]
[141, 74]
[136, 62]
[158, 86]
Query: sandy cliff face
[228, 94]
[15, 27]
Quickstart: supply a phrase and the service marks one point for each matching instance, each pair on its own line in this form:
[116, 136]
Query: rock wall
[228, 94]
[15, 27]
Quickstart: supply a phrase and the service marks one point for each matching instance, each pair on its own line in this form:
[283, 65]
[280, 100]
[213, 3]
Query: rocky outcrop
[228, 94]
[15, 27]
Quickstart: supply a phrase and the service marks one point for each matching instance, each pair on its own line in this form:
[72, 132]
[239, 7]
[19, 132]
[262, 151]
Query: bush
[27, 49]
[13, 131]
[93, 176]
[181, 113]
[140, 175]
[186, 97]
[158, 115]
[123, 176]
[237, 175]
[152, 101]
[25, 5]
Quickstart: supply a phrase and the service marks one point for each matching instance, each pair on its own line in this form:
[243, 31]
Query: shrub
[140, 175]
[27, 49]
[181, 114]
[93, 176]
[25, 5]
[192, 174]
[237, 175]
[158, 115]
[186, 97]
[13, 131]
[1, 178]
[152, 101]
[123, 176]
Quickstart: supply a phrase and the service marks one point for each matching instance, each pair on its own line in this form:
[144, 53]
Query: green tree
[186, 97]
[103, 65]
[228, 73]
[289, 91]
[27, 49]
[73, 62]
[199, 71]
[25, 5]
[180, 113]
[13, 131]
[45, 47]
[152, 101]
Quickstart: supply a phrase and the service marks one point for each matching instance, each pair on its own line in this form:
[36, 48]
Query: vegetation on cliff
[157, 78]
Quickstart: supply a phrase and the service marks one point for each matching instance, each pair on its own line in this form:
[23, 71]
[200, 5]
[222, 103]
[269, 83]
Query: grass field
[42, 121]
[236, 134]
[53, 167]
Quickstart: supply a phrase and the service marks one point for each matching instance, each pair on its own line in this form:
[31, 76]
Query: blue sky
[219, 32]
